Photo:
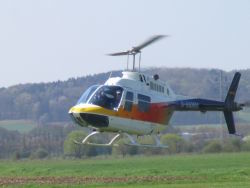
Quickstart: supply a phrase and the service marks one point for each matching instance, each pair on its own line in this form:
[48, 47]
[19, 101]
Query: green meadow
[199, 170]
[23, 126]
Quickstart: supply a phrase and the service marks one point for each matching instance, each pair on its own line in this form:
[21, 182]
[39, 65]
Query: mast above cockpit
[137, 50]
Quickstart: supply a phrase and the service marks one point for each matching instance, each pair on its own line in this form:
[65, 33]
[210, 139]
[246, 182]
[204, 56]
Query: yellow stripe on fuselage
[93, 109]
[154, 115]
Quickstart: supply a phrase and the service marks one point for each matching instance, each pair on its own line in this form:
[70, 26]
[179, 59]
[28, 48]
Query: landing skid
[118, 136]
[158, 143]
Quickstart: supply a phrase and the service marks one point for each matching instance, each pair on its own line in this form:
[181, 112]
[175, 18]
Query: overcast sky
[48, 40]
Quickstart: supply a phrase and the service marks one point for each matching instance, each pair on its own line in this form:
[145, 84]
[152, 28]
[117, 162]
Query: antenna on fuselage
[137, 50]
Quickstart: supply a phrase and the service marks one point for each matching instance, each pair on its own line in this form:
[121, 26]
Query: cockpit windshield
[85, 96]
[107, 97]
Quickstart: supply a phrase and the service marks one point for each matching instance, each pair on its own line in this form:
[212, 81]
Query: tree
[77, 150]
[123, 149]
[174, 142]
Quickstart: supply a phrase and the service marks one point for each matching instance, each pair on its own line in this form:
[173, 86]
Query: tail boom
[204, 105]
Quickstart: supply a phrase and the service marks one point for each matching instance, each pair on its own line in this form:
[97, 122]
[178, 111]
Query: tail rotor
[231, 106]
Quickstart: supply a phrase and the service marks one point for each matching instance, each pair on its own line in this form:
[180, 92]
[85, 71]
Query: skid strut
[85, 140]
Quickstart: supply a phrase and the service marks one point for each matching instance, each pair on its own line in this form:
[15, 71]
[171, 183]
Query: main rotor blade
[137, 49]
[119, 53]
[148, 42]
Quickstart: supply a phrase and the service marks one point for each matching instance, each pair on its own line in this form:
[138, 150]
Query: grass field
[23, 126]
[213, 170]
[244, 115]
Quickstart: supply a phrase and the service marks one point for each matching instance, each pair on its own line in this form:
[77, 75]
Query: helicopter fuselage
[134, 103]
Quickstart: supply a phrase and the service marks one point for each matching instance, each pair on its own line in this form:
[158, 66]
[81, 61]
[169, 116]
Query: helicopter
[137, 104]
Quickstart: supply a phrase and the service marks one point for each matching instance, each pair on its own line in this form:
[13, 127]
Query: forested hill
[50, 102]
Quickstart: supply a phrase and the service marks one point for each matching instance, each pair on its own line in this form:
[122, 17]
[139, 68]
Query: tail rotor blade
[230, 122]
[233, 88]
[230, 105]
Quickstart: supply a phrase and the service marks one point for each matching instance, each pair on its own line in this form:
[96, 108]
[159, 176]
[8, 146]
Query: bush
[246, 146]
[232, 145]
[213, 147]
[39, 154]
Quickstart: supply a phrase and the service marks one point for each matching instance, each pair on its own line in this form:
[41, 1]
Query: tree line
[59, 142]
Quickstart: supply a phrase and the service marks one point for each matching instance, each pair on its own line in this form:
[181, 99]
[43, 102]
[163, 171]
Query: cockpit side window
[141, 78]
[85, 96]
[107, 97]
[143, 103]
[129, 101]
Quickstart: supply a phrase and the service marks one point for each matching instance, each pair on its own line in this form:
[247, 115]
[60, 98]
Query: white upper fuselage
[157, 89]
